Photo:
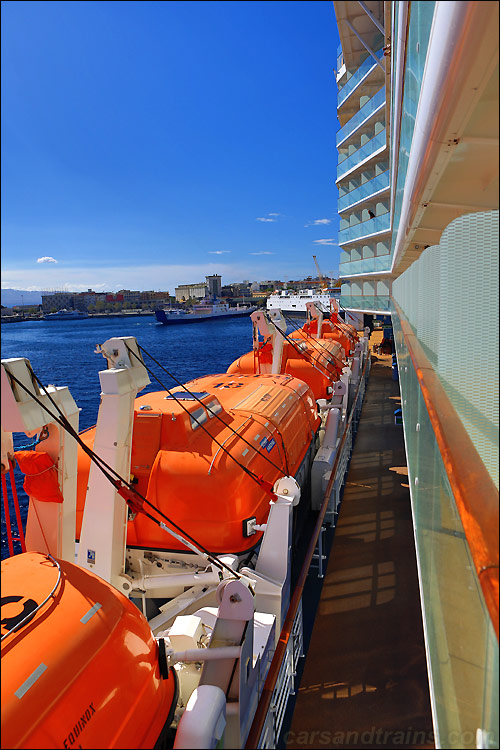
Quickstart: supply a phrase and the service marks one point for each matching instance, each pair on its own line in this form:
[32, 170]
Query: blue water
[62, 353]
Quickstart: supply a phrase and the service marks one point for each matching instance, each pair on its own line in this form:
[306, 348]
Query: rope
[214, 414]
[34, 611]
[302, 353]
[124, 488]
[316, 342]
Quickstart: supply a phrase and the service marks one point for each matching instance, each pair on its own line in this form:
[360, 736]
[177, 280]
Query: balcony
[373, 105]
[367, 190]
[365, 266]
[365, 229]
[376, 304]
[358, 77]
[369, 149]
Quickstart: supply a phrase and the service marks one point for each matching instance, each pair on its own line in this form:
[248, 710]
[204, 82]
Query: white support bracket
[315, 312]
[261, 322]
[51, 526]
[104, 525]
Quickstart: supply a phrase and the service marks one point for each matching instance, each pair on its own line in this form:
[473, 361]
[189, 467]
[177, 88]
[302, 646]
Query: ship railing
[280, 681]
[474, 492]
[11, 502]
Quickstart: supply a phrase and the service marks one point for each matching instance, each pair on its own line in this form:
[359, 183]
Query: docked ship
[166, 630]
[289, 301]
[207, 309]
[65, 314]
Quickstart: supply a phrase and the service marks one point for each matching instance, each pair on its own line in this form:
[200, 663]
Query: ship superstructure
[418, 203]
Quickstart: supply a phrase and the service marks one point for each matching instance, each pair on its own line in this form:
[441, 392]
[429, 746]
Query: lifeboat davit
[84, 670]
[198, 450]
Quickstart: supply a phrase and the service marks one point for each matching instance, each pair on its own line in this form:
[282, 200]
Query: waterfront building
[418, 204]
[58, 301]
[183, 292]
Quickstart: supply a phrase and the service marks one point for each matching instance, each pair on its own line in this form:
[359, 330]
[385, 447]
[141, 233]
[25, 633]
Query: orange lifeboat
[317, 364]
[345, 334]
[84, 670]
[199, 459]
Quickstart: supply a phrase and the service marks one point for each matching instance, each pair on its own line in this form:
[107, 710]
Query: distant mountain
[11, 297]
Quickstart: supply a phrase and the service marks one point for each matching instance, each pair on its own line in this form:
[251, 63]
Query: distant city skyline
[149, 144]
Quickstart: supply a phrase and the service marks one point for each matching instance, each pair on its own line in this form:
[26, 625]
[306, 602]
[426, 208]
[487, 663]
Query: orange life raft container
[319, 364]
[183, 471]
[84, 671]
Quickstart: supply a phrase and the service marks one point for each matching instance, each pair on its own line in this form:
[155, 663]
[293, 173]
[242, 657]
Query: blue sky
[147, 144]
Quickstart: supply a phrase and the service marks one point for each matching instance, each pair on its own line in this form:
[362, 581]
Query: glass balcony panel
[366, 67]
[373, 304]
[364, 191]
[366, 111]
[365, 228]
[363, 153]
[340, 57]
[366, 265]
[461, 642]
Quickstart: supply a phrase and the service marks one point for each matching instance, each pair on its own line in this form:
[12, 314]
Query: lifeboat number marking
[28, 606]
[23, 689]
[86, 617]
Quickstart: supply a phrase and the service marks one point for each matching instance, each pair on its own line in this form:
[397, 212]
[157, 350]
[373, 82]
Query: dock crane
[320, 275]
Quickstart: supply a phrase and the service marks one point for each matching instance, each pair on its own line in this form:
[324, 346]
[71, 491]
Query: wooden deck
[364, 682]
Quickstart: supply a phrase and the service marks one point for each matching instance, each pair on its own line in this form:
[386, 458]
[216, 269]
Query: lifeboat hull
[199, 461]
[84, 671]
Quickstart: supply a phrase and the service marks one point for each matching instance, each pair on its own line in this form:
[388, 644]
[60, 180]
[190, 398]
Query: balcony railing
[376, 304]
[365, 229]
[362, 154]
[366, 190]
[340, 57]
[373, 105]
[365, 265]
[362, 72]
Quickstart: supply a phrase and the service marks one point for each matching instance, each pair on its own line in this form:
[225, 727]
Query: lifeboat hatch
[145, 442]
[186, 396]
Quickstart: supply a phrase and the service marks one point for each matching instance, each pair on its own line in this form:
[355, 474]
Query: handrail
[475, 493]
[272, 675]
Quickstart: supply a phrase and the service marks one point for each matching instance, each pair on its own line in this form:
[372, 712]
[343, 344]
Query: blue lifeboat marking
[23, 689]
[263, 442]
[86, 617]
[270, 445]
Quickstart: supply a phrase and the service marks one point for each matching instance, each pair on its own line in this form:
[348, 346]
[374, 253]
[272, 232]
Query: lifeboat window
[198, 416]
[213, 408]
[186, 396]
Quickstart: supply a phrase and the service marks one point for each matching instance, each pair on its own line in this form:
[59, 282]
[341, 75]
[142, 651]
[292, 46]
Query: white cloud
[269, 217]
[318, 222]
[263, 252]
[46, 259]
[218, 252]
[326, 242]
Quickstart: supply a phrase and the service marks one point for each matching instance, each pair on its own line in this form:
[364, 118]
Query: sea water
[62, 353]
